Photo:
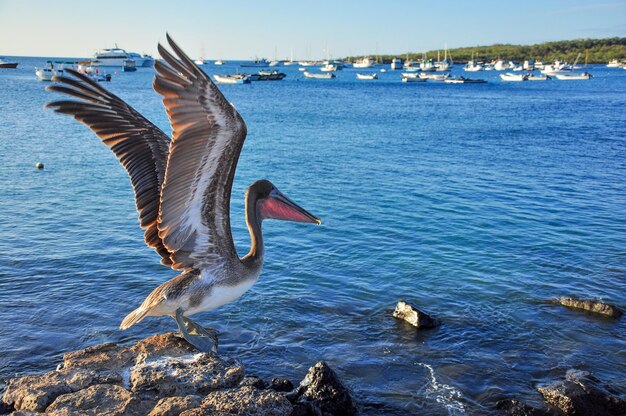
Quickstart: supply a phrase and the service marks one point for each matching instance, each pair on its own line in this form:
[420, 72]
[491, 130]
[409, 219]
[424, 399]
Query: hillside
[600, 51]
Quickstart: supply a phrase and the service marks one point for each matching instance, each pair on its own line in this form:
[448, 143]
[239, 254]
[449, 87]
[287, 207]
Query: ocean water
[476, 203]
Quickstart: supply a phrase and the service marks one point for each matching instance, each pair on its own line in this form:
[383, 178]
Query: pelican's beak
[279, 207]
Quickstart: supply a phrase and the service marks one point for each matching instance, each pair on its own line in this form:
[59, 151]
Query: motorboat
[463, 80]
[366, 62]
[52, 69]
[396, 64]
[200, 61]
[110, 57]
[307, 63]
[528, 65]
[518, 68]
[427, 65]
[329, 68]
[572, 76]
[373, 75]
[219, 62]
[533, 77]
[434, 77]
[256, 63]
[326, 75]
[509, 77]
[500, 65]
[472, 66]
[7, 64]
[411, 66]
[614, 64]
[232, 79]
[406, 78]
[129, 65]
[269, 76]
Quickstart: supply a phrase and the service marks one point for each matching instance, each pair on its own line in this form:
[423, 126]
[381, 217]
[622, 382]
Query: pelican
[182, 188]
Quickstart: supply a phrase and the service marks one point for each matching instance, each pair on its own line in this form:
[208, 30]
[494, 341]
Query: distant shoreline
[599, 50]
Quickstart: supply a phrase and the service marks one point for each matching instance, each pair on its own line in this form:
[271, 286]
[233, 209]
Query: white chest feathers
[220, 294]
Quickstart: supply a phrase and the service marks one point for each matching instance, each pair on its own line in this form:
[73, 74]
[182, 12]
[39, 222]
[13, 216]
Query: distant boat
[533, 77]
[363, 63]
[463, 80]
[396, 64]
[267, 76]
[7, 64]
[528, 65]
[200, 61]
[572, 76]
[371, 76]
[427, 65]
[513, 77]
[129, 66]
[406, 78]
[327, 75]
[219, 62]
[116, 57]
[232, 79]
[614, 64]
[256, 63]
[52, 69]
[328, 68]
[472, 66]
[434, 77]
[143, 61]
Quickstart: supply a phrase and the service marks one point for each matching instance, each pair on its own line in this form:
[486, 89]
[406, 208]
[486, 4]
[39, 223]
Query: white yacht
[366, 62]
[116, 57]
[614, 64]
[396, 64]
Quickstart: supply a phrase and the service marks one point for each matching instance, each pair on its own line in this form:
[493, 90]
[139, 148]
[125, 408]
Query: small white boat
[528, 65]
[533, 77]
[274, 63]
[52, 69]
[614, 64]
[232, 79]
[219, 62]
[328, 68]
[200, 61]
[434, 77]
[412, 79]
[572, 76]
[326, 75]
[7, 64]
[472, 66]
[366, 62]
[373, 75]
[509, 77]
[463, 80]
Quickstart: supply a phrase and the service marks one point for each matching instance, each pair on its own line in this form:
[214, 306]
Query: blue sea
[476, 203]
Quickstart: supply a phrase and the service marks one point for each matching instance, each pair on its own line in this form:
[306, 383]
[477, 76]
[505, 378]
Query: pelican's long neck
[255, 255]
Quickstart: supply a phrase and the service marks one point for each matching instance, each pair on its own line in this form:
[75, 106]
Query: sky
[246, 29]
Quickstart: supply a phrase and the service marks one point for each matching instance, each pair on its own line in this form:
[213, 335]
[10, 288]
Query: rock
[322, 393]
[5, 409]
[582, 395]
[35, 392]
[512, 407]
[173, 406]
[254, 381]
[180, 376]
[98, 400]
[281, 384]
[414, 316]
[600, 308]
[246, 400]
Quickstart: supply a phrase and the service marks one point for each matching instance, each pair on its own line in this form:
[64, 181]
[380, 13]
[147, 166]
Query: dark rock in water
[414, 316]
[512, 407]
[322, 393]
[254, 381]
[281, 384]
[5, 409]
[581, 394]
[600, 308]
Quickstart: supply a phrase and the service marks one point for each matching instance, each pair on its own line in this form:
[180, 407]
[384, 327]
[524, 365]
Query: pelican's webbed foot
[204, 339]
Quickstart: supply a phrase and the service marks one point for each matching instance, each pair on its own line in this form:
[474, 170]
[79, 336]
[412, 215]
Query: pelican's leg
[204, 339]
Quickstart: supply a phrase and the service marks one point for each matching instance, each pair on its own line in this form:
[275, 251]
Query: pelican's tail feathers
[132, 318]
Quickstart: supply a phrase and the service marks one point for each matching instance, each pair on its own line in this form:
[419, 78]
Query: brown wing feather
[208, 134]
[140, 146]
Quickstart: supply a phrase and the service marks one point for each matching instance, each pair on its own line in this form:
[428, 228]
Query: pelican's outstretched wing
[208, 133]
[140, 146]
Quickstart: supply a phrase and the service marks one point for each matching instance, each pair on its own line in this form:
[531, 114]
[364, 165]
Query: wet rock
[322, 393]
[414, 316]
[254, 381]
[581, 394]
[281, 384]
[184, 375]
[244, 400]
[597, 307]
[173, 406]
[5, 409]
[99, 400]
[512, 407]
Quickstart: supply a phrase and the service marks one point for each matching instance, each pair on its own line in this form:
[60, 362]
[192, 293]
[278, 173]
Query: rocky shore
[164, 375]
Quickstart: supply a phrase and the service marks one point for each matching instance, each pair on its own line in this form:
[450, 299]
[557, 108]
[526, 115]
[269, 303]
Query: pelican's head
[273, 204]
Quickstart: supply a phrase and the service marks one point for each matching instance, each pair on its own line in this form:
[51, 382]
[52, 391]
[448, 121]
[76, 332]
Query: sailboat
[444, 65]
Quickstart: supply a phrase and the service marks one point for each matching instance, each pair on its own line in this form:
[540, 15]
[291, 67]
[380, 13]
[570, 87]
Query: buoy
[39, 165]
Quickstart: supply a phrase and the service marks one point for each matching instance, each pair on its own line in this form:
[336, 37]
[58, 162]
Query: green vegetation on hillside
[600, 51]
